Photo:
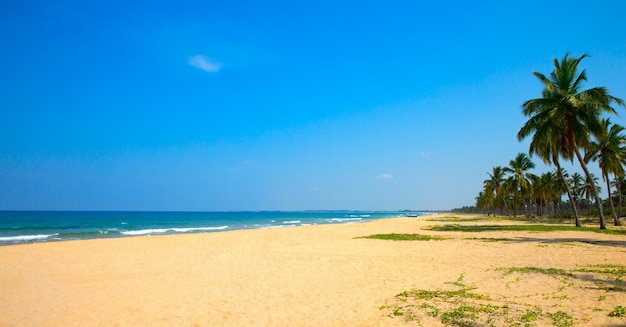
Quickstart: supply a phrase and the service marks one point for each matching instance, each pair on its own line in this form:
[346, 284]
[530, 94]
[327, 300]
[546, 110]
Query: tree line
[566, 123]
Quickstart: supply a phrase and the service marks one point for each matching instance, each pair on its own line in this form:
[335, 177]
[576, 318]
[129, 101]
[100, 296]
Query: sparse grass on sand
[404, 237]
[464, 306]
[457, 303]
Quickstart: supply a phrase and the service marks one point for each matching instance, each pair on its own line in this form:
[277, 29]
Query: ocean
[17, 227]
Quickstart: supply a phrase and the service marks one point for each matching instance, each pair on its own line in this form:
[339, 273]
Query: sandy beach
[308, 276]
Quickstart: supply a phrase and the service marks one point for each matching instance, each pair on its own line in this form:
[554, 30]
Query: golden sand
[300, 276]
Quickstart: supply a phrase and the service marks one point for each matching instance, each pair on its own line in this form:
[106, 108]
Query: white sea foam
[144, 231]
[185, 230]
[165, 230]
[25, 237]
[292, 222]
[278, 226]
[344, 219]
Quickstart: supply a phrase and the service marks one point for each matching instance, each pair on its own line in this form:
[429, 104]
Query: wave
[343, 219]
[292, 222]
[25, 238]
[277, 226]
[169, 230]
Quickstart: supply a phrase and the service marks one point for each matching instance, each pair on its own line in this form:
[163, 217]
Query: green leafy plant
[618, 311]
[561, 319]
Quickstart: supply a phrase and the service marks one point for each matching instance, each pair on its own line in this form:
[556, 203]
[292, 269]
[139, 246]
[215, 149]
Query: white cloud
[385, 176]
[204, 63]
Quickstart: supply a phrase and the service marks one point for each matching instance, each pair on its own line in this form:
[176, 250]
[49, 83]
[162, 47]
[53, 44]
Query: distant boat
[412, 214]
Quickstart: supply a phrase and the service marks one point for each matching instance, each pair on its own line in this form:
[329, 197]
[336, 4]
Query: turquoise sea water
[44, 226]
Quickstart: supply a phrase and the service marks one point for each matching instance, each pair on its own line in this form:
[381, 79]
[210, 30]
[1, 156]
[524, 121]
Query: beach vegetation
[459, 303]
[461, 219]
[537, 270]
[618, 311]
[527, 228]
[561, 319]
[405, 237]
[565, 123]
[530, 316]
[462, 307]
[491, 239]
[616, 272]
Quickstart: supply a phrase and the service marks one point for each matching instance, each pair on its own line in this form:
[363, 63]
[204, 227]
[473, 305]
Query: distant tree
[484, 201]
[518, 168]
[590, 186]
[495, 184]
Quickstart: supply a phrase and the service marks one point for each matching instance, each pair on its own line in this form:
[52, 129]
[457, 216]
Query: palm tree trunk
[616, 221]
[593, 186]
[619, 196]
[569, 193]
[608, 187]
[506, 207]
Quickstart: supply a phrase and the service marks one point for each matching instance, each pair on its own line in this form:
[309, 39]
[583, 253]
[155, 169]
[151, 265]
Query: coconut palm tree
[564, 108]
[609, 150]
[484, 200]
[495, 184]
[538, 193]
[620, 184]
[577, 182]
[551, 189]
[548, 143]
[590, 185]
[518, 168]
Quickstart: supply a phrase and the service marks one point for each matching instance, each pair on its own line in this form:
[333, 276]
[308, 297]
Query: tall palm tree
[518, 168]
[609, 150]
[548, 143]
[495, 184]
[565, 109]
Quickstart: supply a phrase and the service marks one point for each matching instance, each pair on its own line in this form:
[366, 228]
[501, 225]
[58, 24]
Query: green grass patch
[530, 316]
[458, 219]
[526, 228]
[537, 270]
[404, 237]
[459, 303]
[618, 311]
[618, 271]
[490, 239]
[464, 307]
[561, 319]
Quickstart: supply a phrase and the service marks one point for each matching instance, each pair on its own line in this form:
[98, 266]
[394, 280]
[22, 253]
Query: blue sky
[236, 105]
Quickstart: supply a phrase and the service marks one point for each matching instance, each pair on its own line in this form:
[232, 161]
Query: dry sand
[299, 276]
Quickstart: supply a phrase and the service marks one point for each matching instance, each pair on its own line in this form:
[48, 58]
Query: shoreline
[45, 227]
[321, 275]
